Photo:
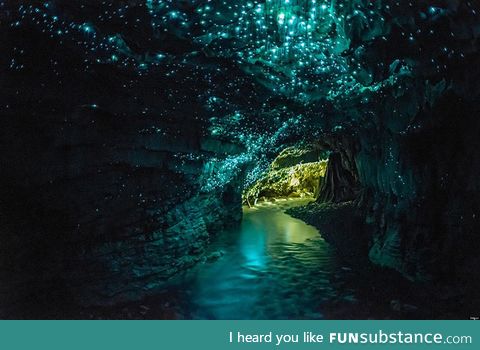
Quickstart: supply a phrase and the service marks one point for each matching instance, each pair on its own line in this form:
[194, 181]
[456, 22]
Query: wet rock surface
[295, 172]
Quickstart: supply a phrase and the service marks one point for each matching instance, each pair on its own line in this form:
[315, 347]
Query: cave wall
[103, 187]
[414, 150]
[298, 171]
[125, 146]
[422, 193]
[104, 206]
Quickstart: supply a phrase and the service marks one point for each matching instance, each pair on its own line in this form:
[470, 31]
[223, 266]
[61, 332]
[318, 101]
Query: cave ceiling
[262, 74]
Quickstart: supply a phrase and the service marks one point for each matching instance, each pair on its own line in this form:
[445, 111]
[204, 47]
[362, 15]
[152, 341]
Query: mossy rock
[295, 155]
[301, 180]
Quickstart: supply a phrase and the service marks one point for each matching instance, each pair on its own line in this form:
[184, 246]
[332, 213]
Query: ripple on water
[274, 267]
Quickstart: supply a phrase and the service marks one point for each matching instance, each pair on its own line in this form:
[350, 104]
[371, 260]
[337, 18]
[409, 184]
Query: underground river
[271, 267]
[274, 266]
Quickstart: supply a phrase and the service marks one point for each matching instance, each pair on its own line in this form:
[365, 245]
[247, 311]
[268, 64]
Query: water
[273, 267]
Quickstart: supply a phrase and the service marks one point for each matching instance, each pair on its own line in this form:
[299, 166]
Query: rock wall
[338, 185]
[421, 202]
[295, 172]
[124, 147]
[107, 207]
[411, 130]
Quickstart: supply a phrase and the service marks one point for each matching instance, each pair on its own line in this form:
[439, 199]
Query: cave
[220, 159]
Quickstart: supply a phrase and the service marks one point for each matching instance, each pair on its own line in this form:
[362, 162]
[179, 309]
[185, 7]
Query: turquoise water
[273, 267]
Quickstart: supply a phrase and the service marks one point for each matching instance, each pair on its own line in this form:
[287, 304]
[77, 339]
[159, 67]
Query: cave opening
[324, 172]
[296, 172]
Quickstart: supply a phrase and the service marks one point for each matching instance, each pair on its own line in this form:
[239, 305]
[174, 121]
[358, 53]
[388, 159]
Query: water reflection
[273, 267]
